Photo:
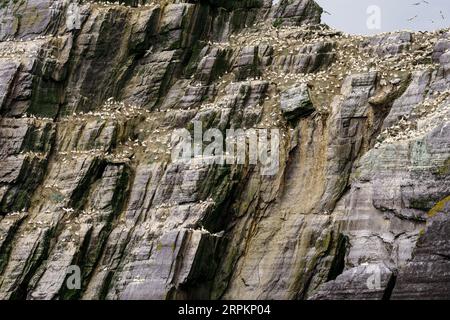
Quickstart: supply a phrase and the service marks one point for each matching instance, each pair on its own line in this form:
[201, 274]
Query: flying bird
[419, 3]
[411, 19]
[442, 15]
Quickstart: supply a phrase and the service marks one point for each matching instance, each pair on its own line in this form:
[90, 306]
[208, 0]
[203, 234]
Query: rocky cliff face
[91, 92]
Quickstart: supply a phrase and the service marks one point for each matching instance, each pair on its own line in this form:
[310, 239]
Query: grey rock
[297, 12]
[296, 103]
[310, 58]
[441, 47]
[415, 94]
[246, 64]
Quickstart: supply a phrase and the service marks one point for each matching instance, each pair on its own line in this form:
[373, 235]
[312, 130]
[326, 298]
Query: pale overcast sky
[351, 15]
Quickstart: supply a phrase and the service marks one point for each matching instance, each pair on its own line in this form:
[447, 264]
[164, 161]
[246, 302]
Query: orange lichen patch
[439, 207]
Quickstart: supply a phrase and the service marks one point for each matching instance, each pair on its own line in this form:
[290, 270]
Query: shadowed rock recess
[91, 92]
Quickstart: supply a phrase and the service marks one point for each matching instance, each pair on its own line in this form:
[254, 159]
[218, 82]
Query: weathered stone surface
[246, 64]
[390, 44]
[415, 94]
[427, 274]
[25, 20]
[393, 188]
[296, 102]
[297, 12]
[441, 47]
[366, 282]
[309, 58]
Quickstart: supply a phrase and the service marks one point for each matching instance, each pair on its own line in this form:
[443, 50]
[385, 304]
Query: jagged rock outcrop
[91, 93]
[427, 275]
